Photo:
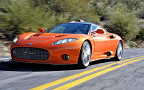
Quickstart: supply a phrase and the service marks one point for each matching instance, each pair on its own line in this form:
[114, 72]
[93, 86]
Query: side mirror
[100, 31]
[41, 30]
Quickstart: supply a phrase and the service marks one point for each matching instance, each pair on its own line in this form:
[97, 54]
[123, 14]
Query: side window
[94, 28]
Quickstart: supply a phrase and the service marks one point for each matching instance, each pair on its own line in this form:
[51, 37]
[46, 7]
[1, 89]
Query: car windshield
[72, 28]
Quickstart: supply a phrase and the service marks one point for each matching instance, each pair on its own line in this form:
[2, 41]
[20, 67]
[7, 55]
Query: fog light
[66, 57]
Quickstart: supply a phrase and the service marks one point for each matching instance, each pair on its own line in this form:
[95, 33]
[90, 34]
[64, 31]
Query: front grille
[30, 53]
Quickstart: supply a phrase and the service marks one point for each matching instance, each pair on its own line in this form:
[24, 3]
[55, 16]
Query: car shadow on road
[15, 66]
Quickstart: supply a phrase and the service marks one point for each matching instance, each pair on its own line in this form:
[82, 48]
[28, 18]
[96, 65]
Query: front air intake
[30, 53]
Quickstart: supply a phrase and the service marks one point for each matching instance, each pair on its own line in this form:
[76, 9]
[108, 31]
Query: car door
[101, 41]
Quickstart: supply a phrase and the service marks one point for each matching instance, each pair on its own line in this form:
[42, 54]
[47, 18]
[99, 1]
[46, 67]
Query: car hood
[45, 38]
[49, 36]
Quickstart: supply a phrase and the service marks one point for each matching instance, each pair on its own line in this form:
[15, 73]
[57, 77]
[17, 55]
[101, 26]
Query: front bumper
[56, 53]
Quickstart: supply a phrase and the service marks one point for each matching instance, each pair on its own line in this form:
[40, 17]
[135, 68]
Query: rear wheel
[119, 52]
[85, 55]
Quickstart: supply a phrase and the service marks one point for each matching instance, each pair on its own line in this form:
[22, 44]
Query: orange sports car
[68, 43]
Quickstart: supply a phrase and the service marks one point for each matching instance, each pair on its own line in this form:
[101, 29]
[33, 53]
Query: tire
[119, 52]
[85, 55]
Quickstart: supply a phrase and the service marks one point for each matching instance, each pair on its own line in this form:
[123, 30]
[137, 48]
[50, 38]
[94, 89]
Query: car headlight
[67, 40]
[15, 40]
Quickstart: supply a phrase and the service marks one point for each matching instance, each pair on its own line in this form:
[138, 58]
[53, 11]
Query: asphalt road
[127, 74]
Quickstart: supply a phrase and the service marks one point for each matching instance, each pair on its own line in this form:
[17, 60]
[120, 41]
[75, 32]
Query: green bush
[124, 22]
[141, 34]
[21, 16]
[75, 9]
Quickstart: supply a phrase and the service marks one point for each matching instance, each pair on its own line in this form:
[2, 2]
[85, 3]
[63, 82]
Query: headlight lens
[15, 40]
[67, 40]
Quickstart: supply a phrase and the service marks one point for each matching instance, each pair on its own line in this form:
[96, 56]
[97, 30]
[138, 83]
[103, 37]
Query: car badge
[30, 44]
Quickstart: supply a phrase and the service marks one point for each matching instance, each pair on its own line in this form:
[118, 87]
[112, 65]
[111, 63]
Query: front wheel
[119, 52]
[85, 55]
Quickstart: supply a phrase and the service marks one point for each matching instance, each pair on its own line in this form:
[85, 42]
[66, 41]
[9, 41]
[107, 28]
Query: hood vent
[38, 34]
[60, 35]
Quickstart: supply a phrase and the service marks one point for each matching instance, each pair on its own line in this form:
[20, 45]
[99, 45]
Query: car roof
[84, 23]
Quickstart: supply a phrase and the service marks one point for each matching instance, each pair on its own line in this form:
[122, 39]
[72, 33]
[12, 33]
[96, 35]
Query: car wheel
[85, 55]
[119, 52]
